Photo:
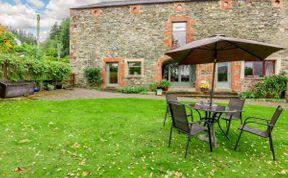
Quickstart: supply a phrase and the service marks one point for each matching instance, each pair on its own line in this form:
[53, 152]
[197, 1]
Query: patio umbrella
[219, 48]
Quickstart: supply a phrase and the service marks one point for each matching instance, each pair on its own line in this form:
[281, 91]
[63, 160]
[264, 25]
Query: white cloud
[23, 15]
[36, 3]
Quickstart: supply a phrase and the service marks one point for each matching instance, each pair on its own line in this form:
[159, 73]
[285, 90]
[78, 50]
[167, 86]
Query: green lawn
[125, 138]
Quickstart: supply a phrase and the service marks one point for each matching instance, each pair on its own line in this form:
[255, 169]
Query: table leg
[213, 134]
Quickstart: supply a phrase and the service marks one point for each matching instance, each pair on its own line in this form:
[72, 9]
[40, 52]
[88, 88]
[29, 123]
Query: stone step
[221, 94]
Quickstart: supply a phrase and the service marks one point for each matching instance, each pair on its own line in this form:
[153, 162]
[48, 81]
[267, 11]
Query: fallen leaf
[19, 169]
[24, 141]
[86, 173]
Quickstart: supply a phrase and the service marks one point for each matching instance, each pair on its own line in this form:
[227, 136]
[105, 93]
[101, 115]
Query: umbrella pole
[213, 82]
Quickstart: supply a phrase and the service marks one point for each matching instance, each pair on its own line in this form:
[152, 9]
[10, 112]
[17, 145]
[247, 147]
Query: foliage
[50, 87]
[153, 86]
[2, 28]
[132, 89]
[164, 84]
[7, 42]
[58, 38]
[247, 94]
[60, 139]
[93, 75]
[23, 36]
[271, 87]
[29, 68]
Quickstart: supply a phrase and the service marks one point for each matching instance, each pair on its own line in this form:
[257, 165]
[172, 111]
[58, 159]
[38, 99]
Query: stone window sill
[254, 78]
[134, 77]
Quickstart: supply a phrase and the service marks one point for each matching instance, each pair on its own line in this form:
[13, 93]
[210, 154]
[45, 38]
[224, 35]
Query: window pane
[134, 64]
[134, 68]
[113, 73]
[223, 72]
[185, 73]
[179, 34]
[174, 73]
[248, 68]
[269, 68]
[258, 69]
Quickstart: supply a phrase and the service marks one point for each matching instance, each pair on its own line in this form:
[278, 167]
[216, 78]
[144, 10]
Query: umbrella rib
[249, 52]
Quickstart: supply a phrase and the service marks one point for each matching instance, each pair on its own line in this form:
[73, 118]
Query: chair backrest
[237, 104]
[171, 97]
[275, 116]
[179, 116]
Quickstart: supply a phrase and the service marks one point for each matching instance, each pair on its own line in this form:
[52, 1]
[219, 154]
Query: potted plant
[204, 87]
[164, 84]
[153, 86]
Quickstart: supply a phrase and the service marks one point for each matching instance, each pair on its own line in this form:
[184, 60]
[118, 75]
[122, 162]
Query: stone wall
[118, 32]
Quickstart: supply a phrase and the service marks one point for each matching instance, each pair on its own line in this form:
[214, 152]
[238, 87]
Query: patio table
[213, 114]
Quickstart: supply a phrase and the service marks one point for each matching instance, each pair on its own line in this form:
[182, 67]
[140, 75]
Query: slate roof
[131, 2]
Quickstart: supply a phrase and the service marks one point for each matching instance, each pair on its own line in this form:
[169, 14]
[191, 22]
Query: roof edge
[128, 3]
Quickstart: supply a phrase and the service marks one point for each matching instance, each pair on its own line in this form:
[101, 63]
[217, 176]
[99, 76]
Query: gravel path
[82, 93]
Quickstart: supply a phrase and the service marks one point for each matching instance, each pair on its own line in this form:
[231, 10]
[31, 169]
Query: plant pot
[204, 90]
[159, 91]
[59, 86]
[165, 88]
[37, 89]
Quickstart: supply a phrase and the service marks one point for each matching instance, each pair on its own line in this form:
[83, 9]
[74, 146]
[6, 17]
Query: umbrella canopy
[222, 49]
[219, 48]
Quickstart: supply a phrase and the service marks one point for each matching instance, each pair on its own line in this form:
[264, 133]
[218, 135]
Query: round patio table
[213, 114]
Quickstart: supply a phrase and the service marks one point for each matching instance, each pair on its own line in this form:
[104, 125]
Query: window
[179, 75]
[259, 69]
[178, 34]
[134, 68]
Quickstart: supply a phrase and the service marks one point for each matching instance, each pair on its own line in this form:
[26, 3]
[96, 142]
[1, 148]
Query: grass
[125, 138]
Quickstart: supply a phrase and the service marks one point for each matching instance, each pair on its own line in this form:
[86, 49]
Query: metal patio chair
[173, 97]
[237, 104]
[264, 122]
[180, 123]
[169, 97]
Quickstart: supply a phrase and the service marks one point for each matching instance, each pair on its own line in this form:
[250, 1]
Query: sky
[23, 13]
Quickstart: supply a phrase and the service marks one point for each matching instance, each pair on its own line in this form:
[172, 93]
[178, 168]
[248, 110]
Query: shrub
[93, 76]
[132, 89]
[153, 86]
[247, 94]
[271, 87]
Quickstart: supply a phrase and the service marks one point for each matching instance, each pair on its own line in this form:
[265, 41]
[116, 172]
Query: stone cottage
[128, 40]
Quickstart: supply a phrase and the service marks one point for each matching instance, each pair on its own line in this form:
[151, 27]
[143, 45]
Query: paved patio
[83, 93]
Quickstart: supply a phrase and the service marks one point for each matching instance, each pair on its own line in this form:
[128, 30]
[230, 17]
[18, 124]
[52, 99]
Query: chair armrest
[259, 123]
[257, 118]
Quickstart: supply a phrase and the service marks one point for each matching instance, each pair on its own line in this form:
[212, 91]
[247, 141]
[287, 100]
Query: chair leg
[228, 127]
[272, 147]
[165, 117]
[238, 140]
[209, 134]
[170, 136]
[187, 146]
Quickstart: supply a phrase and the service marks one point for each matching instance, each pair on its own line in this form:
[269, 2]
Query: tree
[54, 31]
[58, 40]
[65, 37]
